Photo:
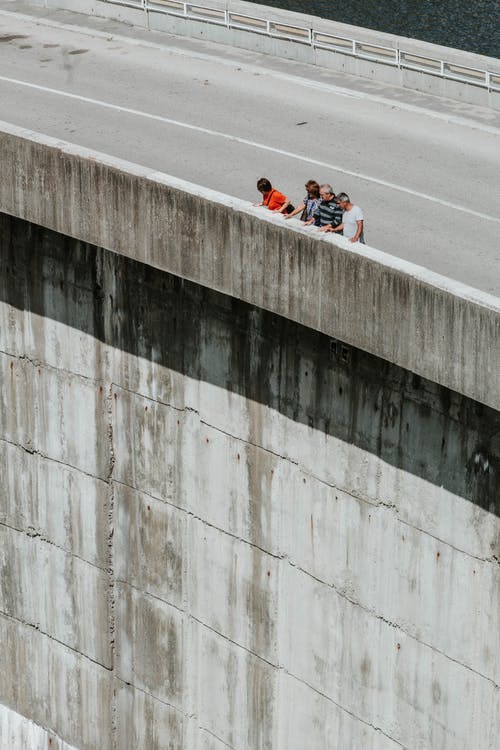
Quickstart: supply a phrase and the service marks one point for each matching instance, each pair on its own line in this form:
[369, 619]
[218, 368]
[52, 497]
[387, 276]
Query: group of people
[320, 208]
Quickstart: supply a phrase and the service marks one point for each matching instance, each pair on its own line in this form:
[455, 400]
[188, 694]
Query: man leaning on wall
[352, 225]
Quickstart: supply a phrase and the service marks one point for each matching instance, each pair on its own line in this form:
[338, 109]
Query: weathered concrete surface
[18, 733]
[439, 329]
[269, 539]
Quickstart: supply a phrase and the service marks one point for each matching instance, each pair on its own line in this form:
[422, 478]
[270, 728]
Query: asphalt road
[425, 171]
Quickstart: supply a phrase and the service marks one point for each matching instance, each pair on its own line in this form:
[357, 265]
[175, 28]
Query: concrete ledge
[435, 327]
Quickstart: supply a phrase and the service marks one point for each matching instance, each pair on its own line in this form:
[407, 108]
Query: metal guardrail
[320, 40]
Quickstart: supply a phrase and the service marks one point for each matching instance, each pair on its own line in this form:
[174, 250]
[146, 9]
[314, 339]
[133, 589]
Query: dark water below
[472, 25]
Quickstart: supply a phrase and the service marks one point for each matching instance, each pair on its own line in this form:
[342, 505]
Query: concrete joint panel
[16, 731]
[57, 504]
[55, 686]
[52, 429]
[50, 590]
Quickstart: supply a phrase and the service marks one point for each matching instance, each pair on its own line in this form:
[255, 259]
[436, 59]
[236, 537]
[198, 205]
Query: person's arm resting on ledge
[331, 228]
[359, 231]
[283, 207]
[296, 211]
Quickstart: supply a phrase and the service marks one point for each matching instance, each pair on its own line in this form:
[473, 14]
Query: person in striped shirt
[328, 213]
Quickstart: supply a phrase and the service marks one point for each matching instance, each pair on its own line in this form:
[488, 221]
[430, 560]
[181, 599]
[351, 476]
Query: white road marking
[394, 262]
[252, 144]
[249, 67]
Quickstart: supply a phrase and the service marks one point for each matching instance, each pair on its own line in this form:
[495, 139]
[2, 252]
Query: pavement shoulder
[306, 74]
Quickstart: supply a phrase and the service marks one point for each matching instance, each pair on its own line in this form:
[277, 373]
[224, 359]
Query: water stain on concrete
[365, 669]
[77, 51]
[267, 358]
[11, 37]
[436, 692]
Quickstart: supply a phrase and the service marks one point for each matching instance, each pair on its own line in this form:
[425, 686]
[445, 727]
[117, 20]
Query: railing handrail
[315, 38]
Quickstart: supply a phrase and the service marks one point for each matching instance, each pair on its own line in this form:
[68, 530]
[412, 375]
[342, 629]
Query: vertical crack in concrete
[111, 570]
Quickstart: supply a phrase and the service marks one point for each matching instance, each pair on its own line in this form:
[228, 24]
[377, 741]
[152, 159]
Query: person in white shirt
[352, 225]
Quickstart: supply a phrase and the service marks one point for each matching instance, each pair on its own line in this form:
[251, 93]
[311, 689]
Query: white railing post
[487, 79]
[441, 68]
[354, 47]
[185, 9]
[268, 27]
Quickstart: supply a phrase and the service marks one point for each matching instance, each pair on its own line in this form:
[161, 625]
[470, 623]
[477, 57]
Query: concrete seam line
[395, 625]
[36, 628]
[43, 539]
[214, 736]
[254, 654]
[7, 710]
[191, 514]
[35, 362]
[366, 499]
[390, 262]
[252, 144]
[151, 695]
[48, 457]
[300, 80]
[233, 435]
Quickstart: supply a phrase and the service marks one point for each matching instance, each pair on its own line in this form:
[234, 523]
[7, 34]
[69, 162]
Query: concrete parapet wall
[222, 529]
[437, 328]
[419, 80]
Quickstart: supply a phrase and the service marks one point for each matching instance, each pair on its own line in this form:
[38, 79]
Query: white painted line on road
[243, 64]
[445, 283]
[252, 144]
[332, 88]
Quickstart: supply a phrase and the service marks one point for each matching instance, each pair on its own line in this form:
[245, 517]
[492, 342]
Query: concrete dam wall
[222, 526]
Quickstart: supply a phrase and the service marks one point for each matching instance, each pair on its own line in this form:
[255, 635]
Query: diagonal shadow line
[411, 423]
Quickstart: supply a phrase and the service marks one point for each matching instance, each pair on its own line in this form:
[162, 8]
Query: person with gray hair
[328, 212]
[352, 224]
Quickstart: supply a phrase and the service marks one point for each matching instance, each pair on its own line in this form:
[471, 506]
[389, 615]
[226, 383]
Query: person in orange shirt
[271, 198]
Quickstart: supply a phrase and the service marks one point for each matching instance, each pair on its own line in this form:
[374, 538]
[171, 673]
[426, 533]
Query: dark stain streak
[11, 37]
[451, 441]
[77, 51]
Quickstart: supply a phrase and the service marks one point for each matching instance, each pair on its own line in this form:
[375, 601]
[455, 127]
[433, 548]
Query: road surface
[425, 170]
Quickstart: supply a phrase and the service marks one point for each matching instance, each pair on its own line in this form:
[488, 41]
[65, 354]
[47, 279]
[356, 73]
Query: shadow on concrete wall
[411, 423]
